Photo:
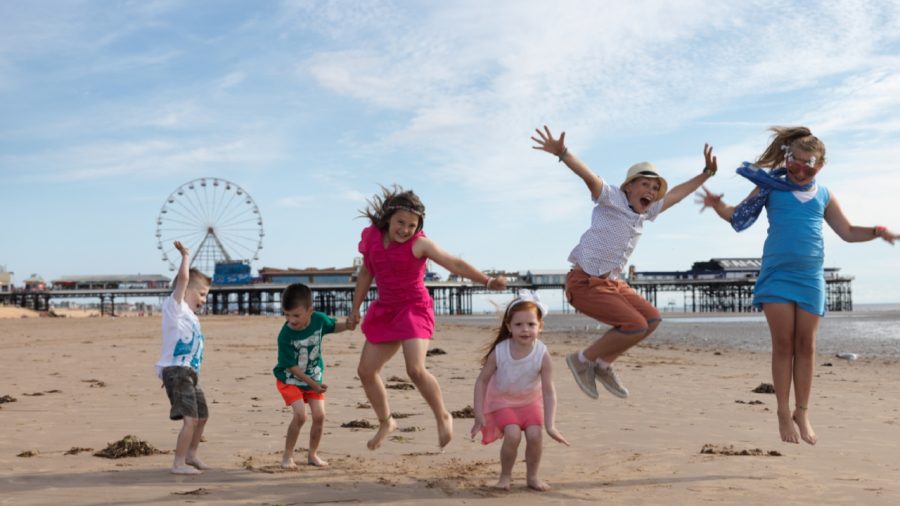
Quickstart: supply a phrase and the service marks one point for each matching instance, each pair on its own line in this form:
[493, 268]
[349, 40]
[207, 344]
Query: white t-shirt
[182, 340]
[614, 232]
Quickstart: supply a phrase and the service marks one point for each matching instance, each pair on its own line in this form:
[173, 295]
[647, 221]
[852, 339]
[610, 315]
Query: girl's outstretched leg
[781, 326]
[807, 324]
[533, 450]
[373, 358]
[512, 436]
[414, 351]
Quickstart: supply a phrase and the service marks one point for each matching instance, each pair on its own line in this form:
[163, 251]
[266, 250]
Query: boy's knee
[634, 326]
[318, 418]
[190, 421]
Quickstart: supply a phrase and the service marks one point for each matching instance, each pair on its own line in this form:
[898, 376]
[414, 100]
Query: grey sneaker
[584, 375]
[609, 379]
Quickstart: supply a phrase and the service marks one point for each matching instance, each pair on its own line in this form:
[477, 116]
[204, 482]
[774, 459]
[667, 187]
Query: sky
[109, 107]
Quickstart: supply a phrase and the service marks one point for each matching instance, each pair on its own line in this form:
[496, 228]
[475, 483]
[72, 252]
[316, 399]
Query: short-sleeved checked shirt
[615, 229]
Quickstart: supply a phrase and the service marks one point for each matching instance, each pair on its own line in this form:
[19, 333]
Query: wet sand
[87, 382]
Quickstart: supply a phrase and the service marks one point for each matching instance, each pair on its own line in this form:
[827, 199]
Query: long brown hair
[798, 137]
[381, 207]
[503, 332]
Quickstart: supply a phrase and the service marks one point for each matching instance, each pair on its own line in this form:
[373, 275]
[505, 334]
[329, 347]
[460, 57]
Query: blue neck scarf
[746, 212]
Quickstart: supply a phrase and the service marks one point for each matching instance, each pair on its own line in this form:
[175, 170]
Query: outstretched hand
[886, 234]
[498, 283]
[182, 249]
[712, 165]
[707, 199]
[546, 142]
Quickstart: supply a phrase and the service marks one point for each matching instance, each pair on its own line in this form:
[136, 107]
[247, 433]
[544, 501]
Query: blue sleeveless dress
[794, 254]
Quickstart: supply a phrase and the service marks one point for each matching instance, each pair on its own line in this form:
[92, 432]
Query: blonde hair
[197, 279]
[798, 137]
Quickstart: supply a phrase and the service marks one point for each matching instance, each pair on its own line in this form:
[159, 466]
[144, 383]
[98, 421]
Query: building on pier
[726, 285]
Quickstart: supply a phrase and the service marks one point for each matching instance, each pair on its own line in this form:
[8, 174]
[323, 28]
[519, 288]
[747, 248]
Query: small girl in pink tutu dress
[514, 392]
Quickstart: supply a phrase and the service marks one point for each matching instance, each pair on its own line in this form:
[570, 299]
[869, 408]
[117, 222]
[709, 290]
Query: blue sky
[107, 107]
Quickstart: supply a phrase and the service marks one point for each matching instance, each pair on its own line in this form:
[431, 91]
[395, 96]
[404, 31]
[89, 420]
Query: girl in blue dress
[790, 289]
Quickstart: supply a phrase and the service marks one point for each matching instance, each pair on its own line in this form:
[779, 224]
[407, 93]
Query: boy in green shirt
[300, 367]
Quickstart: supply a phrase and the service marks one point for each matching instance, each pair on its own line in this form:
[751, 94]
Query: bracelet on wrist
[487, 284]
[562, 155]
[877, 229]
[711, 172]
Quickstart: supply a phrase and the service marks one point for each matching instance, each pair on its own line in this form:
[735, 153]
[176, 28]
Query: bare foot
[288, 463]
[314, 460]
[197, 463]
[786, 428]
[185, 470]
[384, 428]
[539, 485]
[504, 483]
[806, 430]
[445, 429]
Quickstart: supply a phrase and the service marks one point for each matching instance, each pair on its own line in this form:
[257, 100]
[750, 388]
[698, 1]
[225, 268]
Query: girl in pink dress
[515, 392]
[395, 250]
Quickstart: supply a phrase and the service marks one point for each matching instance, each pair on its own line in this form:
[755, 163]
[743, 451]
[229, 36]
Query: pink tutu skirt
[523, 416]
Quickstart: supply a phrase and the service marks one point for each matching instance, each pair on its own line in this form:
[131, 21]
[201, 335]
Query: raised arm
[557, 147]
[181, 279]
[838, 222]
[678, 193]
[363, 283]
[714, 201]
[428, 248]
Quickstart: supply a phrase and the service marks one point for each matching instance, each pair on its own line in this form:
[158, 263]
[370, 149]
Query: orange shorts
[293, 393]
[610, 301]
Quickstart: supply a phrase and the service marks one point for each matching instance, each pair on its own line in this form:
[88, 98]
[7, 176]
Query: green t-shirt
[303, 348]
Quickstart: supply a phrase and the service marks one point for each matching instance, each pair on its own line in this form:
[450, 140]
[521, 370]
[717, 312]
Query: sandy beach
[86, 382]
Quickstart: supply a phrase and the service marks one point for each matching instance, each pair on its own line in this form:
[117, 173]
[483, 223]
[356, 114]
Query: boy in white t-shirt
[179, 362]
[594, 285]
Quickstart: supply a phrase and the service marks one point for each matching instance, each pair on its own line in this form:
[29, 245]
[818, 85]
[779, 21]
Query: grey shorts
[185, 396]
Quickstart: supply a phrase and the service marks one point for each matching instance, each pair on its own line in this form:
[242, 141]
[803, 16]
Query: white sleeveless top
[516, 382]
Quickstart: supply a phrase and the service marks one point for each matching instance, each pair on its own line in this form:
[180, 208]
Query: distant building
[547, 277]
[111, 282]
[718, 268]
[6, 284]
[35, 283]
[308, 276]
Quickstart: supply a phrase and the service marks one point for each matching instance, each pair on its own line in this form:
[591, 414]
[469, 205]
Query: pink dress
[514, 394]
[403, 308]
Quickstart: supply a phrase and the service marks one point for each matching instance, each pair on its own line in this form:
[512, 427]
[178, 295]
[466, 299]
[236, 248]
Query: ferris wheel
[216, 219]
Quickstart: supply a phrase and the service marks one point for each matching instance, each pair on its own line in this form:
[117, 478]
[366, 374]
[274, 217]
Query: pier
[718, 285]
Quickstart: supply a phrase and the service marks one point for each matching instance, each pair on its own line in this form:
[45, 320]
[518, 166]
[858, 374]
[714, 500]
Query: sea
[870, 330]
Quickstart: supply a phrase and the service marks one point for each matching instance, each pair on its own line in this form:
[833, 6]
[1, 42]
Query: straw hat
[648, 170]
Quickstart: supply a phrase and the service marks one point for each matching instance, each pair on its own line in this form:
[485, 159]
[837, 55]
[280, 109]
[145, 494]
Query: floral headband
[526, 295]
[408, 209]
